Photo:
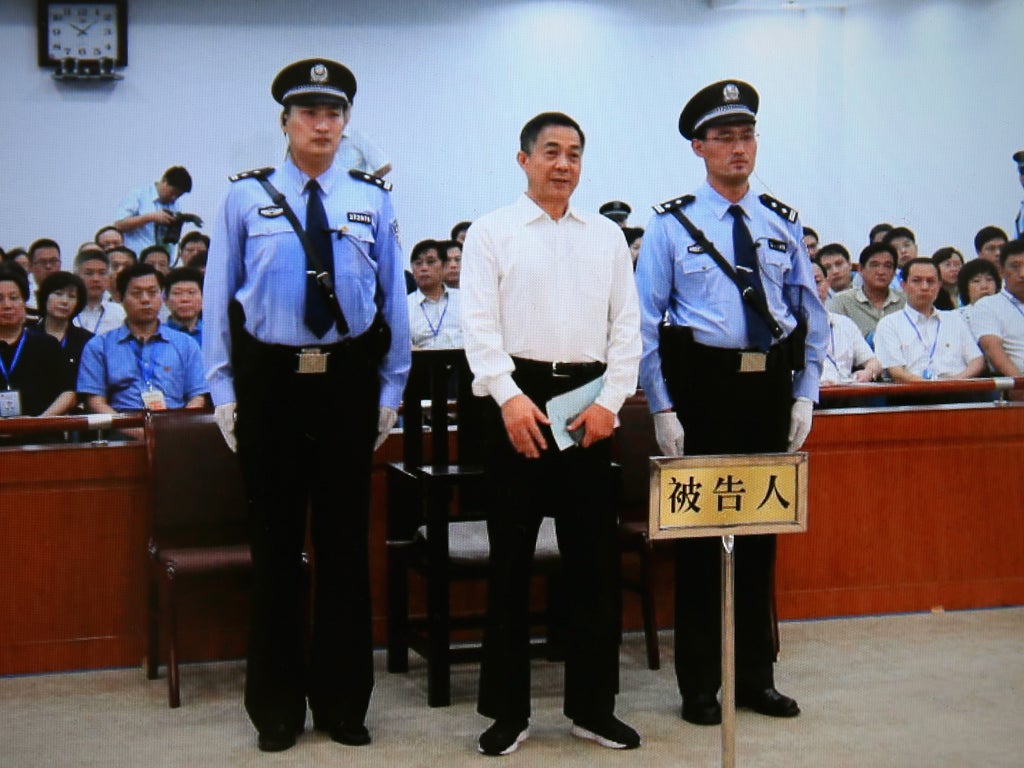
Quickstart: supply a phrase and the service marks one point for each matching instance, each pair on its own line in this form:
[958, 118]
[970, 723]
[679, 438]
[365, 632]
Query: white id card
[153, 400]
[10, 403]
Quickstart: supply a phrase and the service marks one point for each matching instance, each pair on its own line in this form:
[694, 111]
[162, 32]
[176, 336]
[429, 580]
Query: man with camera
[149, 215]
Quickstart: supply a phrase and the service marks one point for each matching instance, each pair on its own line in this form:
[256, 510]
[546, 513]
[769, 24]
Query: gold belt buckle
[312, 360]
[753, 362]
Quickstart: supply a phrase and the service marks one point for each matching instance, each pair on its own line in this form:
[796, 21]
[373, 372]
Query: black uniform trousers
[305, 442]
[724, 411]
[575, 488]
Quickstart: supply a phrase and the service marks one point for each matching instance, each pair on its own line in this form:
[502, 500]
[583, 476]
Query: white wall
[891, 110]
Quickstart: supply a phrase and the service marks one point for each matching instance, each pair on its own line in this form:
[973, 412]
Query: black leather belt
[560, 370]
[740, 360]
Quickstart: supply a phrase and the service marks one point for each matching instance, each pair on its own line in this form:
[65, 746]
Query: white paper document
[563, 409]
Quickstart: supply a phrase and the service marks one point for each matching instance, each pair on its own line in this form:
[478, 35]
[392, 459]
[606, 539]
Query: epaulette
[369, 178]
[255, 173]
[789, 214]
[675, 202]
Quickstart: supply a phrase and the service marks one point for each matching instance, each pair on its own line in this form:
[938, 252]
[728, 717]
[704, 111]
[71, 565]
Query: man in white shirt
[100, 314]
[434, 308]
[846, 348]
[549, 305]
[998, 321]
[921, 343]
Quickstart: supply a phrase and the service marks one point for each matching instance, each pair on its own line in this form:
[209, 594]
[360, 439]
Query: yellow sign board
[728, 495]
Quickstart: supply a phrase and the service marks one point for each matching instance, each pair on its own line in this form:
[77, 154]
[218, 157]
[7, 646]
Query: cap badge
[731, 92]
[318, 73]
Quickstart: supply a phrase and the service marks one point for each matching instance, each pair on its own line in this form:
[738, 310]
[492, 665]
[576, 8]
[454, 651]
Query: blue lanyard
[440, 320]
[7, 372]
[103, 311]
[931, 355]
[147, 367]
[832, 345]
[1014, 304]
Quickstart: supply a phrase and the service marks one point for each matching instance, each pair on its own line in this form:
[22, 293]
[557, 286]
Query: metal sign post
[728, 496]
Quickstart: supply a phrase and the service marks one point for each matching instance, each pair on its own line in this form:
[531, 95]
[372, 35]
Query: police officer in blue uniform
[722, 377]
[307, 357]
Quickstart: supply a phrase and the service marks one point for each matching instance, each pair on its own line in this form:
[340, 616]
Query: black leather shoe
[768, 702]
[503, 737]
[609, 732]
[276, 739]
[702, 709]
[344, 733]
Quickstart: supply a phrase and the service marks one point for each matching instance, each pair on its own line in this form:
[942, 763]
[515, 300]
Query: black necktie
[746, 265]
[318, 315]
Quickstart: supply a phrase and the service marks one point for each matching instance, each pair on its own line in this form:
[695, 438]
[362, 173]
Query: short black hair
[811, 232]
[528, 136]
[446, 244]
[462, 226]
[107, 228]
[14, 253]
[905, 269]
[183, 275]
[151, 249]
[179, 178]
[839, 248]
[426, 245]
[43, 242]
[873, 249]
[1010, 248]
[895, 232]
[878, 229]
[123, 249]
[91, 254]
[945, 254]
[987, 235]
[139, 269]
[58, 281]
[972, 269]
[193, 234]
[12, 272]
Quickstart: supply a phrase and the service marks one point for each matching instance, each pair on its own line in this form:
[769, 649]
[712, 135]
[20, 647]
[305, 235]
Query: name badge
[10, 403]
[153, 400]
[312, 361]
[694, 249]
[777, 245]
[271, 211]
[360, 218]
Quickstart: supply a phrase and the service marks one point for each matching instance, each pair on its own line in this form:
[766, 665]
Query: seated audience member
[922, 343]
[811, 242]
[452, 263]
[459, 231]
[878, 232]
[634, 239]
[158, 256]
[434, 308]
[848, 358]
[108, 237]
[183, 289]
[143, 364]
[100, 314]
[20, 257]
[34, 378]
[875, 298]
[949, 261]
[192, 250]
[120, 258]
[835, 259]
[904, 242]
[61, 298]
[44, 260]
[977, 278]
[998, 321]
[987, 243]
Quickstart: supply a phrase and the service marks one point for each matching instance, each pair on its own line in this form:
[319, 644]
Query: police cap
[616, 210]
[314, 81]
[1018, 158]
[726, 102]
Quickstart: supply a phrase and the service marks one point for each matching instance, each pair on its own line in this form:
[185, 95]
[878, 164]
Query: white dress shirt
[558, 291]
[435, 324]
[1001, 315]
[106, 316]
[941, 343]
[845, 348]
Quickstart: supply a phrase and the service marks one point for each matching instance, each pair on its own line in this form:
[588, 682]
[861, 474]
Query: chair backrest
[435, 373]
[198, 498]
[634, 445]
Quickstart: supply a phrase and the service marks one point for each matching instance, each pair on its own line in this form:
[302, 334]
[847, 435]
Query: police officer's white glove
[224, 415]
[800, 422]
[669, 433]
[386, 419]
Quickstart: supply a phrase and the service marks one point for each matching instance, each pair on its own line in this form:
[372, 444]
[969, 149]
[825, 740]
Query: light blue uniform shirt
[114, 366]
[256, 257]
[675, 277]
[137, 202]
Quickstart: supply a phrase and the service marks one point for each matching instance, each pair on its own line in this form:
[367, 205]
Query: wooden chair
[436, 526]
[198, 527]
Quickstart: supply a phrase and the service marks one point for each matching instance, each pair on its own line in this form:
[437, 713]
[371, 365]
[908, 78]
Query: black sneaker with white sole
[503, 737]
[608, 732]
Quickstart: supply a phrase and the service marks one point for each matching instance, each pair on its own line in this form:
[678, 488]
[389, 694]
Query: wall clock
[83, 38]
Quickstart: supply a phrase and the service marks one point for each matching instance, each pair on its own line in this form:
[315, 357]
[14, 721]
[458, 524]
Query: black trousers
[723, 412]
[574, 487]
[305, 442]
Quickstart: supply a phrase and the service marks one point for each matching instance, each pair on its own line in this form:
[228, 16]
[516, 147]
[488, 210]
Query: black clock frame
[43, 29]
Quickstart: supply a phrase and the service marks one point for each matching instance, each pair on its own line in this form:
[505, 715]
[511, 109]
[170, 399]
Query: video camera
[173, 232]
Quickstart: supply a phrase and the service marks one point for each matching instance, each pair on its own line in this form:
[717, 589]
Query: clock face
[84, 31]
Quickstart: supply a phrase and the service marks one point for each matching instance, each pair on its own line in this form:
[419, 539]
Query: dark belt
[314, 359]
[559, 370]
[741, 360]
